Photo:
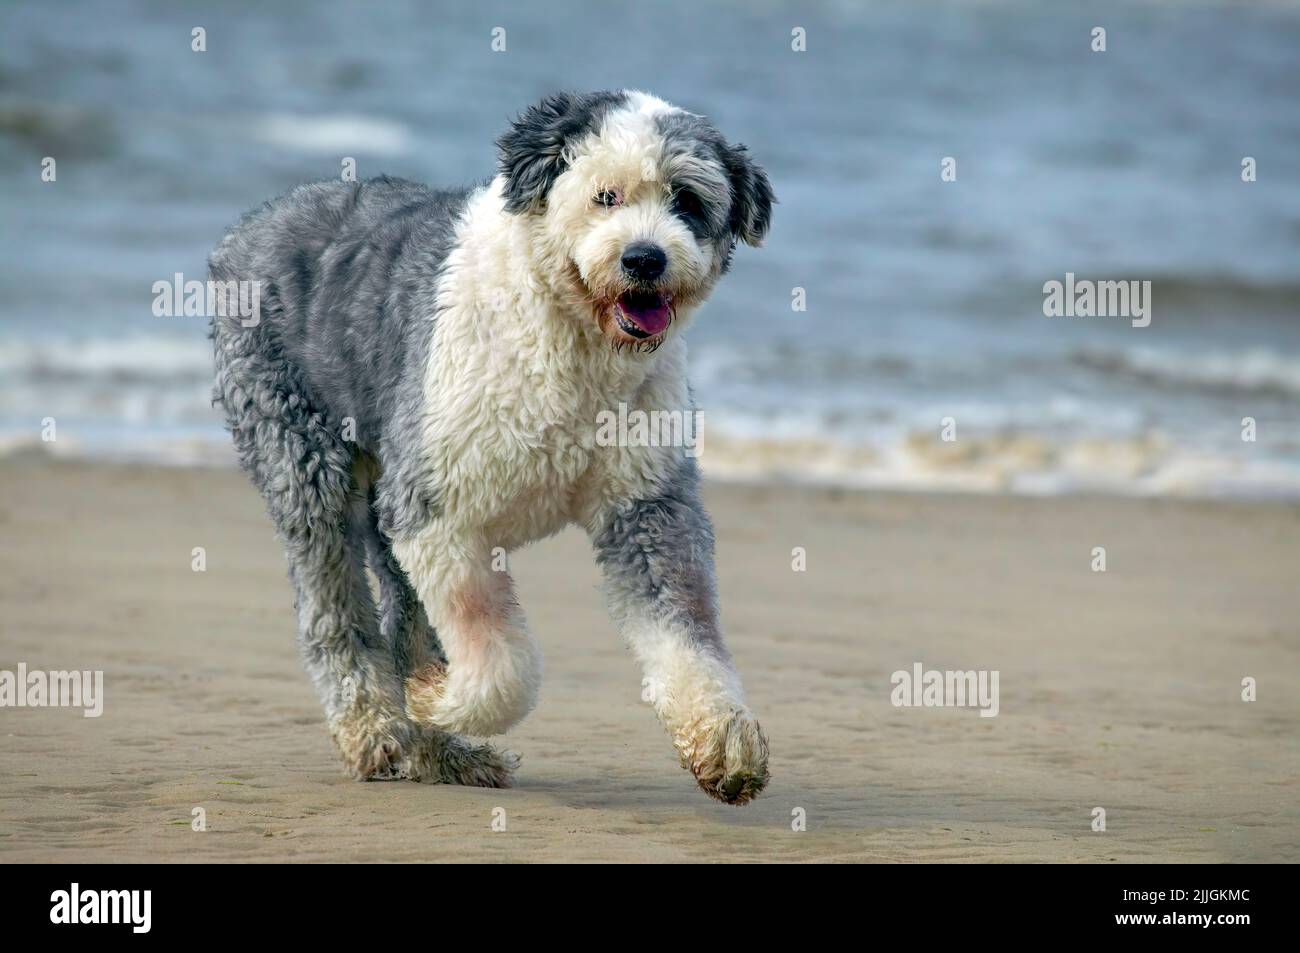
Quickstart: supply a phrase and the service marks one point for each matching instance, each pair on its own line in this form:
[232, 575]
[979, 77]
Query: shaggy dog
[419, 395]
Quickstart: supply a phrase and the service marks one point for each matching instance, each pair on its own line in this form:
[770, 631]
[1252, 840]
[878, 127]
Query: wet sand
[1119, 689]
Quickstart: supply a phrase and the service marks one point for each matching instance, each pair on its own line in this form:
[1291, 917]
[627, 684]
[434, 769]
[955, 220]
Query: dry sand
[1118, 689]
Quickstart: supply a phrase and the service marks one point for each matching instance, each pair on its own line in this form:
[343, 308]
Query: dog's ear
[532, 150]
[751, 196]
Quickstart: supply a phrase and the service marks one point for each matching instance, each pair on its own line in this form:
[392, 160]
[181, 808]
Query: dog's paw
[373, 748]
[445, 759]
[728, 756]
[441, 698]
[378, 748]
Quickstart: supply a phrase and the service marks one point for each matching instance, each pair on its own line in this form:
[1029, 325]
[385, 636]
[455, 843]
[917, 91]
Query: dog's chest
[515, 426]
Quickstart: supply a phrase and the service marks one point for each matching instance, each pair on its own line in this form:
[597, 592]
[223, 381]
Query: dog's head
[638, 204]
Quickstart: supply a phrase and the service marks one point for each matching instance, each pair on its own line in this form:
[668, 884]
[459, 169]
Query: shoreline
[214, 457]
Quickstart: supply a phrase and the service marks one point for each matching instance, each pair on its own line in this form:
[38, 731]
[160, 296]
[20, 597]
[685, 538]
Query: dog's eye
[687, 204]
[607, 198]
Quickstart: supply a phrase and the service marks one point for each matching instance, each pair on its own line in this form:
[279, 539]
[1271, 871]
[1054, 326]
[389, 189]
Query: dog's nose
[644, 261]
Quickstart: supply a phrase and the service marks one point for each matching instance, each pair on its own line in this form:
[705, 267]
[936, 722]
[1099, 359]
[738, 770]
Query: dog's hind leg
[304, 471]
[305, 474]
[402, 619]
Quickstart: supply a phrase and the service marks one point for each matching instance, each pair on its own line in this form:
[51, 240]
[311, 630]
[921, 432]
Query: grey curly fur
[657, 559]
[311, 248]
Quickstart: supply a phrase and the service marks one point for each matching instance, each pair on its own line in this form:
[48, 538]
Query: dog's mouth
[643, 314]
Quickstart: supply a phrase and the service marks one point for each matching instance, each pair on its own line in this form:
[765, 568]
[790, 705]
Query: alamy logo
[934, 689]
[208, 299]
[24, 689]
[103, 906]
[1084, 298]
[655, 428]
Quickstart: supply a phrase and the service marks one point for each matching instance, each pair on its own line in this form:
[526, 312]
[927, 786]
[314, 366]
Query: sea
[936, 165]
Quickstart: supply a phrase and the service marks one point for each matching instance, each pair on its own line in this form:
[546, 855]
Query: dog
[418, 397]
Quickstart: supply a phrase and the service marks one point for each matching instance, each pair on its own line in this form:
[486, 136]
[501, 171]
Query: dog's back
[342, 268]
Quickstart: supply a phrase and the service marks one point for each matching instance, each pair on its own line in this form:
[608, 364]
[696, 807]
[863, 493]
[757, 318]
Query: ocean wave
[208, 447]
[334, 135]
[1220, 293]
[139, 358]
[57, 128]
[1147, 465]
[1250, 371]
[1023, 464]
[146, 382]
[148, 398]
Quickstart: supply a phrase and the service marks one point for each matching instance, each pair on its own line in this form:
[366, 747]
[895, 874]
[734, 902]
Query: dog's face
[637, 204]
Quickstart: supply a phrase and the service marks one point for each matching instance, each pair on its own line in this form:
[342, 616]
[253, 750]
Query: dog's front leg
[493, 667]
[657, 557]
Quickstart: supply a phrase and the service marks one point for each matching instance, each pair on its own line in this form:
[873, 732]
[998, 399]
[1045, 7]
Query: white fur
[519, 371]
[685, 683]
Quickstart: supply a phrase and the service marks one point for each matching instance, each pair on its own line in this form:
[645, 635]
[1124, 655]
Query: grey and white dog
[420, 396]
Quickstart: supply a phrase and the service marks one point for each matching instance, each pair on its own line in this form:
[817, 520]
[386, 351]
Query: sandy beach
[1119, 690]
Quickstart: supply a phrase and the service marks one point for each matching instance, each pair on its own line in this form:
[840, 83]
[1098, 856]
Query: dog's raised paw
[729, 760]
[450, 701]
[423, 690]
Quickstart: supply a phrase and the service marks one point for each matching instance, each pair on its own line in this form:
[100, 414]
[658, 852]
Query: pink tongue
[651, 320]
